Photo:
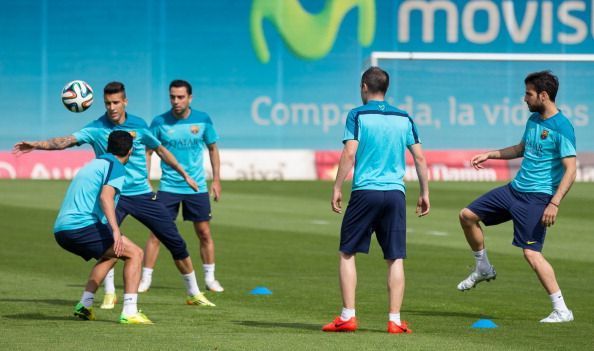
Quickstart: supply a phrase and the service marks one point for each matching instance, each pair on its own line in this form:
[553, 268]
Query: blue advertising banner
[282, 74]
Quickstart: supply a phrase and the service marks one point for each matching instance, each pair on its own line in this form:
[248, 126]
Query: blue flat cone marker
[484, 324]
[261, 290]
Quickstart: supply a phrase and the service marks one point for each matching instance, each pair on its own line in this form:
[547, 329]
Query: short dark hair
[544, 81]
[178, 83]
[376, 79]
[114, 88]
[119, 143]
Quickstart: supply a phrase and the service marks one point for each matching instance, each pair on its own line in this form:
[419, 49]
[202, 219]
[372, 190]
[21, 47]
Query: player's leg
[110, 297]
[196, 208]
[84, 309]
[151, 253]
[491, 208]
[396, 295]
[529, 234]
[150, 212]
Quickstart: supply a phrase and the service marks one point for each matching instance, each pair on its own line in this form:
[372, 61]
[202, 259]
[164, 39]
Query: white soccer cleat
[214, 286]
[476, 277]
[144, 285]
[558, 317]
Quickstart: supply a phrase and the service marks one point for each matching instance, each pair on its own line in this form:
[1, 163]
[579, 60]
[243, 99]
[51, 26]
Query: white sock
[209, 271]
[191, 285]
[87, 299]
[558, 302]
[482, 261]
[394, 317]
[347, 313]
[108, 283]
[147, 274]
[130, 307]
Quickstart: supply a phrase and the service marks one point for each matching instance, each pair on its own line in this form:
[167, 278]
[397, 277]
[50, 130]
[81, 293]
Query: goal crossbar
[376, 56]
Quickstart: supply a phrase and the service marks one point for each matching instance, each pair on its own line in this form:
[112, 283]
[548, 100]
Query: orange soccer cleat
[394, 328]
[338, 325]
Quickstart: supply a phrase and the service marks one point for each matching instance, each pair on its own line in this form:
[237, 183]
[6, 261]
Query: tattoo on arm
[59, 143]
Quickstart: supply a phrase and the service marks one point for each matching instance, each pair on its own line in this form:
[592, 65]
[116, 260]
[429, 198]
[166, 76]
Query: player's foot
[144, 285]
[214, 286]
[476, 277]
[137, 318]
[338, 325]
[394, 328]
[558, 317]
[199, 300]
[84, 313]
[109, 301]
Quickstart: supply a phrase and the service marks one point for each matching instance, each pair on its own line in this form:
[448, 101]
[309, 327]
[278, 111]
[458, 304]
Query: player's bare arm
[550, 213]
[215, 163]
[59, 143]
[347, 161]
[169, 159]
[423, 204]
[108, 206]
[149, 154]
[507, 153]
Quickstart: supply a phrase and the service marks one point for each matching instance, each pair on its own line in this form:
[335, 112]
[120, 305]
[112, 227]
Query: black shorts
[87, 242]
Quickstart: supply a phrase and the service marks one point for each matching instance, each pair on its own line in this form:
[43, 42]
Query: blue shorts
[87, 242]
[524, 209]
[150, 212]
[382, 212]
[195, 207]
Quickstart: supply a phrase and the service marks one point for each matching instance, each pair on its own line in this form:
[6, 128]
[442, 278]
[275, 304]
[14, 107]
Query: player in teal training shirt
[533, 197]
[87, 226]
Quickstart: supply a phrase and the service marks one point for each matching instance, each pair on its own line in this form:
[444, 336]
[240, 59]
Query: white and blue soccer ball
[77, 96]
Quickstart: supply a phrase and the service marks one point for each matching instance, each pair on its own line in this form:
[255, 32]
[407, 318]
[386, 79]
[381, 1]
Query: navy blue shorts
[382, 212]
[195, 207]
[153, 214]
[524, 209]
[88, 242]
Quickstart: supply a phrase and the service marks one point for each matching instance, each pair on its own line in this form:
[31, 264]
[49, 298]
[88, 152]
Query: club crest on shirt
[133, 133]
[544, 134]
[382, 107]
[194, 129]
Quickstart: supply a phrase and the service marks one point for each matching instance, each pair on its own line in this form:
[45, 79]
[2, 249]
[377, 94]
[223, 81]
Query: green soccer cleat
[199, 300]
[84, 313]
[109, 301]
[138, 318]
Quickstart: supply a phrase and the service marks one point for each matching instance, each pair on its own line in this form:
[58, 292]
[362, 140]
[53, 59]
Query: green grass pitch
[282, 235]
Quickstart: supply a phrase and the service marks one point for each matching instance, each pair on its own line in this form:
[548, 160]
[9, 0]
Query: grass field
[282, 235]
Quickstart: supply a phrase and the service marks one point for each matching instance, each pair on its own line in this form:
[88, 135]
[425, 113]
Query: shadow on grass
[58, 302]
[446, 314]
[42, 317]
[303, 326]
[121, 288]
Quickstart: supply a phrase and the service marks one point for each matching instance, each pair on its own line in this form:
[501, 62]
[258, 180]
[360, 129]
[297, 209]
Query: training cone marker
[261, 290]
[484, 324]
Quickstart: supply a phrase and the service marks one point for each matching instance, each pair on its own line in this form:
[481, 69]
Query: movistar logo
[309, 36]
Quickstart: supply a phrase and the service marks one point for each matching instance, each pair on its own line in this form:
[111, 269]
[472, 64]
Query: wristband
[554, 204]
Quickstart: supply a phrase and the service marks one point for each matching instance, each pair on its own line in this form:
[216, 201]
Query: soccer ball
[77, 96]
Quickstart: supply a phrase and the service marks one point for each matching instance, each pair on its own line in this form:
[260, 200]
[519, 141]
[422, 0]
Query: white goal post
[376, 56]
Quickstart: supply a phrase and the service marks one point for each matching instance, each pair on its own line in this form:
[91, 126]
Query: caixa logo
[309, 36]
[525, 25]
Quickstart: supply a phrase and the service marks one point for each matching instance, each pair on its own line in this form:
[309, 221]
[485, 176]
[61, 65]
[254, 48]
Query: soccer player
[533, 197]
[136, 198]
[185, 131]
[87, 226]
[375, 139]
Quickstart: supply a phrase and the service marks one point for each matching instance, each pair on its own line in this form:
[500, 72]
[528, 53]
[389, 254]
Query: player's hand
[478, 159]
[215, 189]
[118, 243]
[337, 200]
[22, 148]
[550, 215]
[423, 206]
[192, 183]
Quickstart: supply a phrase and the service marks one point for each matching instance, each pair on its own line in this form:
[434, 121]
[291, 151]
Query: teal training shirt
[81, 206]
[546, 143]
[96, 134]
[185, 139]
[384, 133]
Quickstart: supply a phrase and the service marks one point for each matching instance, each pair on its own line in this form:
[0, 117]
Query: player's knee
[532, 257]
[204, 236]
[466, 216]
